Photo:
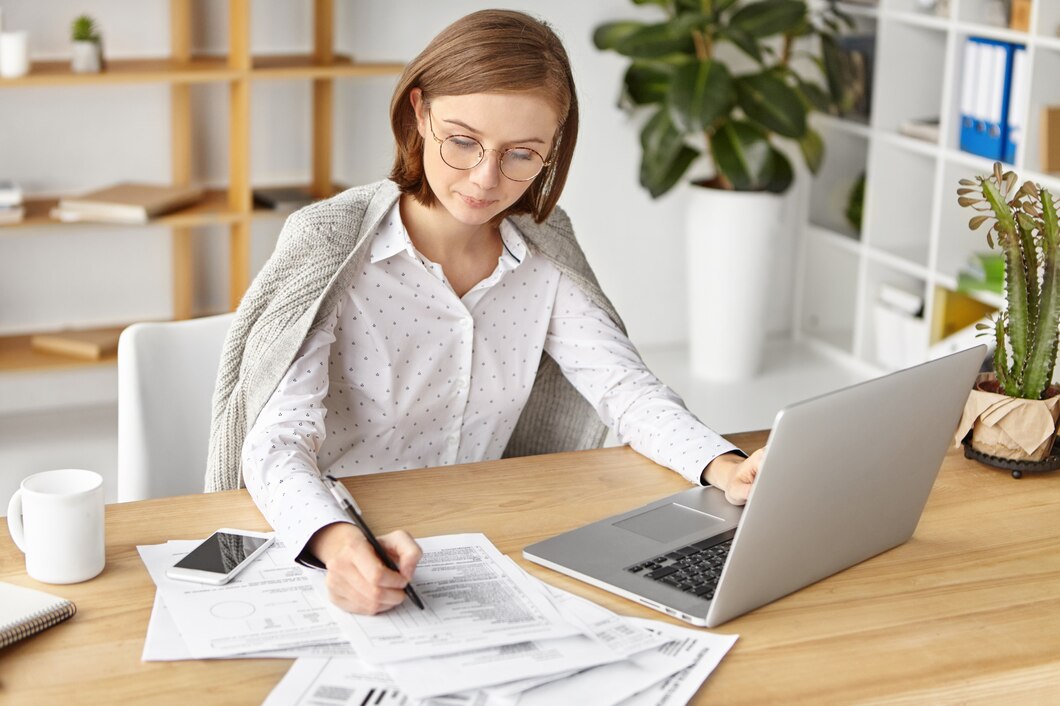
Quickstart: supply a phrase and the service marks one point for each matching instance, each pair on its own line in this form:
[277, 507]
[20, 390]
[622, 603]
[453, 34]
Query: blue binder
[986, 96]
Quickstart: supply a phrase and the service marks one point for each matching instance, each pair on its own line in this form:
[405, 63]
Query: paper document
[679, 688]
[165, 644]
[608, 638]
[269, 606]
[473, 596]
[612, 683]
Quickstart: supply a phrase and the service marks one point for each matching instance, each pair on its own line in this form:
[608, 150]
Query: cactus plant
[1023, 225]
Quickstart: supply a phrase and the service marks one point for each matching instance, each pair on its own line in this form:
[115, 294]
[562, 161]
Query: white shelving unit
[913, 234]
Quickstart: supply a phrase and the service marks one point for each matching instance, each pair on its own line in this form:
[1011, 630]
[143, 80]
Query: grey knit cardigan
[318, 252]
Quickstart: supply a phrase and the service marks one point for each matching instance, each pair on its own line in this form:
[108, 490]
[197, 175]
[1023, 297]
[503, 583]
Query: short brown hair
[490, 51]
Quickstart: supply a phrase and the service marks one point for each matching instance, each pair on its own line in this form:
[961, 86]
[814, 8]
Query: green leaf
[653, 41]
[648, 81]
[665, 156]
[783, 175]
[763, 19]
[743, 41]
[743, 154]
[812, 147]
[700, 93]
[769, 101]
[607, 36]
[814, 97]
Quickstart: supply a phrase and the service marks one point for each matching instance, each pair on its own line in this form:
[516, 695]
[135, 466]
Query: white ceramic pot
[86, 58]
[731, 237]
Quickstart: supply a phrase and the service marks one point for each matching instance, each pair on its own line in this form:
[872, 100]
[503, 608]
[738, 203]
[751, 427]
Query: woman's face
[499, 121]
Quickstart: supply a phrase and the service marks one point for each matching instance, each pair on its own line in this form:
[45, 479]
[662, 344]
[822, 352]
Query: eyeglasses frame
[544, 163]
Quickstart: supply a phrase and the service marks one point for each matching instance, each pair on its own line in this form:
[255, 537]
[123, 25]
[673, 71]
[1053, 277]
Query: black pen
[354, 511]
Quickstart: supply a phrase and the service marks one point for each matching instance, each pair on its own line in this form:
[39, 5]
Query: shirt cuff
[702, 479]
[299, 541]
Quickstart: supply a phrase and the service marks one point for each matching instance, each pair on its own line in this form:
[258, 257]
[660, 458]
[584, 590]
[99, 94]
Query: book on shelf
[86, 345]
[983, 272]
[283, 198]
[926, 129]
[1050, 139]
[127, 202]
[27, 611]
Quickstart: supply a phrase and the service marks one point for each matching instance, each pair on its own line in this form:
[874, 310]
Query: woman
[444, 316]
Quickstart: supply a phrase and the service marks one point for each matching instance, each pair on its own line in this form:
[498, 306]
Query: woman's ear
[419, 107]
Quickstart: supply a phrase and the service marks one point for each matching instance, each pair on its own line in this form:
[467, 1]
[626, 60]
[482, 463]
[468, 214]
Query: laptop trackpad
[670, 522]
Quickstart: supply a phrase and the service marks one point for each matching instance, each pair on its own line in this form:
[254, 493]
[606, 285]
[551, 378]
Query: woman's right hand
[357, 579]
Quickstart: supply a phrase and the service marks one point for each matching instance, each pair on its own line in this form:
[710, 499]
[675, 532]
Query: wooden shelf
[213, 208]
[118, 71]
[203, 69]
[17, 355]
[306, 66]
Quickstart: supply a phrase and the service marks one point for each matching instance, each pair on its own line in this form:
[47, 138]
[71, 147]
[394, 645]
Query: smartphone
[220, 557]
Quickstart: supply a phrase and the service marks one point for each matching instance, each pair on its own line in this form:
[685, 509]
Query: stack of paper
[489, 634]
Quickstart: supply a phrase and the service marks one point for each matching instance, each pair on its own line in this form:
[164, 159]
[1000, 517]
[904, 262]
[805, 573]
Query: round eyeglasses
[464, 152]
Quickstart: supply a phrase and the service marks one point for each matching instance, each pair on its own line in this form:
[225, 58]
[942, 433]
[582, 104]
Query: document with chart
[269, 606]
[473, 597]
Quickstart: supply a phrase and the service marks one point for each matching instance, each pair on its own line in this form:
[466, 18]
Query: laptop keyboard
[693, 569]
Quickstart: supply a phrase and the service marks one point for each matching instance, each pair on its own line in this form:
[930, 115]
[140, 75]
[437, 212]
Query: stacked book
[11, 209]
[983, 272]
[128, 202]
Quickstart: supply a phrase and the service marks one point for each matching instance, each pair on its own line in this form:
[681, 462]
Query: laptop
[846, 477]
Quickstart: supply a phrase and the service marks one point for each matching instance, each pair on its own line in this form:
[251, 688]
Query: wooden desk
[967, 611]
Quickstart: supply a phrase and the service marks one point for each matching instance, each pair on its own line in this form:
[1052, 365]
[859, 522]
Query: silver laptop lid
[846, 477]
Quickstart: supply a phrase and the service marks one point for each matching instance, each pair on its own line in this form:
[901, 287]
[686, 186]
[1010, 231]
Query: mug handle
[14, 521]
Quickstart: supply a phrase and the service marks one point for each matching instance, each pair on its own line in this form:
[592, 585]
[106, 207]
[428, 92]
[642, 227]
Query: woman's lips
[476, 203]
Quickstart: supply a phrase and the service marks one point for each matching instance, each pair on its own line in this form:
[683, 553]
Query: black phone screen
[221, 553]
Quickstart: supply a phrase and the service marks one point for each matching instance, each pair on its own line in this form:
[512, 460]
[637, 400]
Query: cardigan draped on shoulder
[315, 260]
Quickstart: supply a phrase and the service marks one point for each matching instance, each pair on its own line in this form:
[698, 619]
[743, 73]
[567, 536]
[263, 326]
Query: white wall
[67, 139]
[63, 140]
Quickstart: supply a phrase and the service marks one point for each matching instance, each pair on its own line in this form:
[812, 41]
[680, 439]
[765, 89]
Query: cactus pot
[731, 238]
[1012, 428]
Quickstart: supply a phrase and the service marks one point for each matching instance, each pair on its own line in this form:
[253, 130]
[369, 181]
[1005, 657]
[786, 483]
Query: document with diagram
[269, 606]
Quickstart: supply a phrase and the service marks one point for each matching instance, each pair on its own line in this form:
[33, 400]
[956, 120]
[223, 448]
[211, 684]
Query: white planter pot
[86, 58]
[731, 236]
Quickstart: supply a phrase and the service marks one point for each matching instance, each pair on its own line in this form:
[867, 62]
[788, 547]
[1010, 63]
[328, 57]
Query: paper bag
[1009, 427]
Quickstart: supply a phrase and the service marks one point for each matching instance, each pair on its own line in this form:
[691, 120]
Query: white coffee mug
[14, 54]
[56, 519]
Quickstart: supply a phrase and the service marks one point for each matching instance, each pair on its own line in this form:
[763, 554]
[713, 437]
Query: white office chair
[166, 376]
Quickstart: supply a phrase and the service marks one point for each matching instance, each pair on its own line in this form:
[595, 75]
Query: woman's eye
[465, 143]
[521, 154]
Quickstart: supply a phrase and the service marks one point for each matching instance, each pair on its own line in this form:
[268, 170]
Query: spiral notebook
[27, 611]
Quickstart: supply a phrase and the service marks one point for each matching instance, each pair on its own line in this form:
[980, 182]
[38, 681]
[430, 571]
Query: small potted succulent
[87, 46]
[1012, 413]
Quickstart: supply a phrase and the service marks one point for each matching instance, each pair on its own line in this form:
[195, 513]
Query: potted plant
[1012, 413]
[87, 46]
[684, 69]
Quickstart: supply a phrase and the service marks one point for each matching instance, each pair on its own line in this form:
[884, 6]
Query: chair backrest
[166, 376]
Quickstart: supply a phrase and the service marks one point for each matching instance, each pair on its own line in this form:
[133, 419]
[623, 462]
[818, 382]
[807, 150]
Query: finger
[372, 569]
[404, 550]
[350, 590]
